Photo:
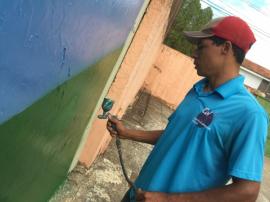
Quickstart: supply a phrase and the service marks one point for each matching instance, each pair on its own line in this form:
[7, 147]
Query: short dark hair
[238, 53]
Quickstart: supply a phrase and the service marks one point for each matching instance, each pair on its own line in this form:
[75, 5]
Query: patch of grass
[266, 104]
[267, 149]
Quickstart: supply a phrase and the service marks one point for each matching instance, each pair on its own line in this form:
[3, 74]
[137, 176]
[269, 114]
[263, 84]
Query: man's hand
[143, 196]
[116, 127]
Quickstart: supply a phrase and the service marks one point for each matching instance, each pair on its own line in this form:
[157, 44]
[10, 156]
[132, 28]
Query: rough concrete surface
[104, 181]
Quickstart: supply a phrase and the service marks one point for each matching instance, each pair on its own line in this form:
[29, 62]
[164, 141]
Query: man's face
[208, 58]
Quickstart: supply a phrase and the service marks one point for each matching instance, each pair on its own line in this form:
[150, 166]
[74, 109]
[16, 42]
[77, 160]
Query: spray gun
[107, 105]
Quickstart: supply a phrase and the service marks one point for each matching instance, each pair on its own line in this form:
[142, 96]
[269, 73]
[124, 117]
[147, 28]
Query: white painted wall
[251, 79]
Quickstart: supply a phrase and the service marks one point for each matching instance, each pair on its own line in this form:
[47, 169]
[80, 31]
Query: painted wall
[171, 76]
[55, 59]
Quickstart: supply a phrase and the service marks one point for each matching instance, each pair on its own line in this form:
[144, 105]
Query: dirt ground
[104, 181]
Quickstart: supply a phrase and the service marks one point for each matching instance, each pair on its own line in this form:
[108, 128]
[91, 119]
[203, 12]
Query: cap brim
[195, 36]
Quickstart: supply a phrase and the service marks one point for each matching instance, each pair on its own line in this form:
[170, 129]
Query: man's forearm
[230, 193]
[149, 137]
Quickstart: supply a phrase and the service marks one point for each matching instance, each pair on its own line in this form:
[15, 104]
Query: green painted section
[38, 145]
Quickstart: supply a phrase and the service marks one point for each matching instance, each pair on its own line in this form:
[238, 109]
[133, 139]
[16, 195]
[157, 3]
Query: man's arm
[239, 191]
[149, 137]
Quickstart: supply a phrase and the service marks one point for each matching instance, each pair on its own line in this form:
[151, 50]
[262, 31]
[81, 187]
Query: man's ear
[227, 47]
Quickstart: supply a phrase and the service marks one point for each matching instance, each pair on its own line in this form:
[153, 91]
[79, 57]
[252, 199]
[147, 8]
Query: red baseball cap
[230, 28]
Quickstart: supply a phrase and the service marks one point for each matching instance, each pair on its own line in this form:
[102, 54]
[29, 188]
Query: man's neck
[216, 81]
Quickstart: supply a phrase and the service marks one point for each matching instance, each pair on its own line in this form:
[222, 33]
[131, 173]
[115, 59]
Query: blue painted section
[44, 43]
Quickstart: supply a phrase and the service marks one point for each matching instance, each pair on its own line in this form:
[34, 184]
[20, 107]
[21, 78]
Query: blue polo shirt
[211, 137]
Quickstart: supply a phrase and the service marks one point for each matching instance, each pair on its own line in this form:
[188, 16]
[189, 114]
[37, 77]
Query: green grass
[267, 150]
[266, 105]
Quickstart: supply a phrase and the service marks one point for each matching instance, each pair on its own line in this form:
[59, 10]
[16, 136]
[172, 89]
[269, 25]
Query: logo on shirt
[204, 119]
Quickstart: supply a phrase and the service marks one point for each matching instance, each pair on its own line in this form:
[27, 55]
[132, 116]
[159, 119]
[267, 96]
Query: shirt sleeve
[246, 152]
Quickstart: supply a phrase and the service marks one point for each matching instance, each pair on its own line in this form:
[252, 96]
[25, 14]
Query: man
[216, 134]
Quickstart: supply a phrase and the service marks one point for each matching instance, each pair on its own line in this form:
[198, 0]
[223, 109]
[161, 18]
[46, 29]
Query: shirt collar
[225, 90]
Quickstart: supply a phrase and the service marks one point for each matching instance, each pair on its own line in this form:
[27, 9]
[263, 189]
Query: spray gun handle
[113, 125]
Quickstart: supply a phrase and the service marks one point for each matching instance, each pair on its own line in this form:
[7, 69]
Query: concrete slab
[104, 181]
